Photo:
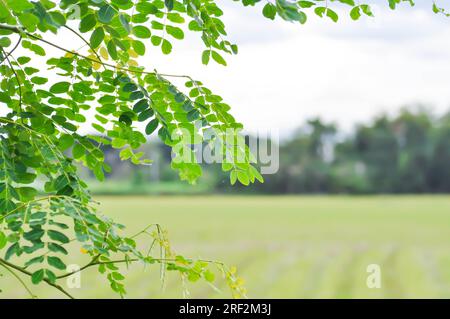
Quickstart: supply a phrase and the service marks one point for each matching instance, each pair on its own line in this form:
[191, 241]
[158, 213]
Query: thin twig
[33, 296]
[17, 78]
[85, 41]
[26, 272]
[17, 30]
[13, 49]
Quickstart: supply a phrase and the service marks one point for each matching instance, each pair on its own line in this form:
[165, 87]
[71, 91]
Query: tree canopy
[40, 139]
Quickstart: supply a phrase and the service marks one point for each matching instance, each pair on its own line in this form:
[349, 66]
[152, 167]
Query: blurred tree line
[406, 153]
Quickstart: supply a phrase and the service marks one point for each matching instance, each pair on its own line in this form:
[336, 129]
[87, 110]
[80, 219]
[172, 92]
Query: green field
[289, 247]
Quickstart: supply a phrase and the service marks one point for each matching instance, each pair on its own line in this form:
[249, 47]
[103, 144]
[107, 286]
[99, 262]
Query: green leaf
[57, 248]
[138, 46]
[243, 178]
[349, 2]
[12, 250]
[65, 141]
[78, 151]
[98, 172]
[106, 13]
[169, 4]
[145, 115]
[140, 106]
[355, 13]
[156, 40]
[320, 11]
[112, 49]
[118, 143]
[60, 87]
[205, 56]
[193, 115]
[306, 4]
[29, 21]
[129, 87]
[209, 276]
[227, 166]
[5, 42]
[50, 275]
[57, 19]
[5, 98]
[6, 205]
[117, 276]
[125, 23]
[34, 235]
[146, 7]
[37, 49]
[23, 59]
[233, 177]
[97, 37]
[87, 23]
[58, 236]
[367, 10]
[142, 32]
[151, 126]
[35, 260]
[332, 15]
[26, 193]
[39, 80]
[218, 58]
[270, 11]
[37, 276]
[176, 32]
[56, 262]
[19, 5]
[166, 46]
[3, 240]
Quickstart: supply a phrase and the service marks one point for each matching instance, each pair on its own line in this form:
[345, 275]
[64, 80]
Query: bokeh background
[362, 111]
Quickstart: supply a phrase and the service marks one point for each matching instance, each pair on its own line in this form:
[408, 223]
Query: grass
[289, 247]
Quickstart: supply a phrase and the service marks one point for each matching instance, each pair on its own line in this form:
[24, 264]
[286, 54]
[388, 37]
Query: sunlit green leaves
[42, 134]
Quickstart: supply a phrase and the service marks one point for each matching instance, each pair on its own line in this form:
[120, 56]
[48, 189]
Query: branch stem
[26, 272]
[17, 30]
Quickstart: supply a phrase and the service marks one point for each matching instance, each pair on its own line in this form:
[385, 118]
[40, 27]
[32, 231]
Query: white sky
[345, 72]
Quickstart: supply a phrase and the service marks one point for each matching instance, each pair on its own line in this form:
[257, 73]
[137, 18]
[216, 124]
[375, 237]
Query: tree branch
[85, 41]
[26, 272]
[17, 30]
[12, 50]
[19, 279]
